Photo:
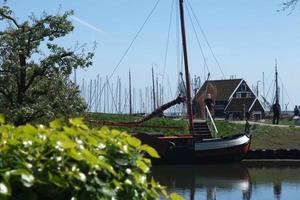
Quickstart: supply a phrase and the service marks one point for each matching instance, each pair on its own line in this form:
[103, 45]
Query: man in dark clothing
[296, 111]
[209, 103]
[247, 115]
[276, 112]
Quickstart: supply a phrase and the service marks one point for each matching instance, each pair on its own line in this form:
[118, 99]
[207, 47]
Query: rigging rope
[206, 40]
[270, 90]
[285, 91]
[168, 40]
[132, 42]
[198, 41]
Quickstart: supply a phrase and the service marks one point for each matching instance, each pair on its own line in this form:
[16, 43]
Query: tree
[34, 71]
[290, 4]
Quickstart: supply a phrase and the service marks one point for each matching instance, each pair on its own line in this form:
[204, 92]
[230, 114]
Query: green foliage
[226, 128]
[175, 196]
[34, 71]
[74, 162]
[264, 136]
[152, 122]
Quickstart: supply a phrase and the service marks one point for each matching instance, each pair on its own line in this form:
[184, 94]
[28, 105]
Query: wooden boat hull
[190, 150]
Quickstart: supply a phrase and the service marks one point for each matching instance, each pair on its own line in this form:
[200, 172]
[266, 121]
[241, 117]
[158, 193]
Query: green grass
[153, 122]
[267, 137]
[284, 121]
[226, 129]
[264, 137]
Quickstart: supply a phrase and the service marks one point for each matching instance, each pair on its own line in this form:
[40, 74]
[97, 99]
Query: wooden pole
[153, 88]
[130, 95]
[186, 67]
[276, 83]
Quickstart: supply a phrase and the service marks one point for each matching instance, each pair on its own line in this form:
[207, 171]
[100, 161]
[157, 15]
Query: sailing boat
[195, 147]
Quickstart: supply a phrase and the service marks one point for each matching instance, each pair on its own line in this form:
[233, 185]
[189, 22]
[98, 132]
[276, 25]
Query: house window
[243, 87]
[248, 95]
[238, 95]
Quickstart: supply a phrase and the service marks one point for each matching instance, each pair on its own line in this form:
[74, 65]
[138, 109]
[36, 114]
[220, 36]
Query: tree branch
[7, 96]
[44, 68]
[5, 16]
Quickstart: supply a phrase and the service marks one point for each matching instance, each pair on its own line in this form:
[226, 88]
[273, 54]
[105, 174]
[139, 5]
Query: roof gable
[237, 104]
[223, 88]
[256, 106]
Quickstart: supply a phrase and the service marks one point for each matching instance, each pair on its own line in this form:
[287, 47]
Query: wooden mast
[186, 68]
[153, 90]
[276, 83]
[130, 99]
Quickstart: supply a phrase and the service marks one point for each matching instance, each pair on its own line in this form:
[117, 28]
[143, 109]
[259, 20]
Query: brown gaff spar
[162, 108]
[156, 112]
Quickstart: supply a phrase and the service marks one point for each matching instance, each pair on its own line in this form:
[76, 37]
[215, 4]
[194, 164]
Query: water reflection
[247, 180]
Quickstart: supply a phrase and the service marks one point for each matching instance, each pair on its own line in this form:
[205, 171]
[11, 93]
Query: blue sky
[246, 37]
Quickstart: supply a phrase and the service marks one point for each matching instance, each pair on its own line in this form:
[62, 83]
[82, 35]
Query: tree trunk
[22, 79]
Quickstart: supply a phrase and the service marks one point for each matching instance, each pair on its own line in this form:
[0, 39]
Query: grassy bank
[181, 124]
[263, 137]
[269, 137]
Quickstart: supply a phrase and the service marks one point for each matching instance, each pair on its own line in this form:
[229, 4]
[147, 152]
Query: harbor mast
[186, 68]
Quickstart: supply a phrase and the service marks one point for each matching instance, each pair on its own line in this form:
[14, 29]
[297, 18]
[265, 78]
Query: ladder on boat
[201, 130]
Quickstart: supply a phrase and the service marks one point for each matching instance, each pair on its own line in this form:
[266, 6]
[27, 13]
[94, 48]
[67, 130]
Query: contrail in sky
[86, 24]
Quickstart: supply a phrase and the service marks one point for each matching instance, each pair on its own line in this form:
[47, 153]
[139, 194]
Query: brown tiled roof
[236, 104]
[224, 88]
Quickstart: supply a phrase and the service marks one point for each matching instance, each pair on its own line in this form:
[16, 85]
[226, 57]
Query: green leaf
[175, 196]
[29, 129]
[78, 122]
[57, 180]
[133, 141]
[150, 150]
[56, 124]
[142, 166]
[75, 154]
[2, 119]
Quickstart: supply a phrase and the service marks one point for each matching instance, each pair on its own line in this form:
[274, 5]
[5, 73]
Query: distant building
[232, 98]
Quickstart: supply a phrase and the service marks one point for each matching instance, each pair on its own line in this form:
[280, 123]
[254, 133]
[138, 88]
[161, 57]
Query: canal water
[240, 181]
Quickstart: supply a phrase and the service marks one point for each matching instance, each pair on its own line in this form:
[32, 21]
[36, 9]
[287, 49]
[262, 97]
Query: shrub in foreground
[74, 162]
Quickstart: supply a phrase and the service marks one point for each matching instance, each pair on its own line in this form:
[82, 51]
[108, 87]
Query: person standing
[296, 111]
[276, 113]
[247, 116]
[209, 103]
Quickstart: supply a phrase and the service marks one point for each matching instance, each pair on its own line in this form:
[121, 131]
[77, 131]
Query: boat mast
[130, 99]
[276, 83]
[153, 90]
[186, 68]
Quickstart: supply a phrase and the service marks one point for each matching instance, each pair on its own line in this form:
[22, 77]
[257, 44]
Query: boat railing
[211, 124]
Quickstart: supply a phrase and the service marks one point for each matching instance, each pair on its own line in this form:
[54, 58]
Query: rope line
[132, 42]
[206, 40]
[168, 40]
[198, 41]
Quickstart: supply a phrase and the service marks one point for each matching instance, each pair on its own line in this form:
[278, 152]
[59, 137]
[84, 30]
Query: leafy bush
[74, 162]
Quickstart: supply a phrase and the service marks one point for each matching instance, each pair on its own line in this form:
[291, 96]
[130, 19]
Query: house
[232, 98]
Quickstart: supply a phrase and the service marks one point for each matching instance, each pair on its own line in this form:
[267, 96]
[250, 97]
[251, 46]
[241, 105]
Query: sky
[245, 36]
